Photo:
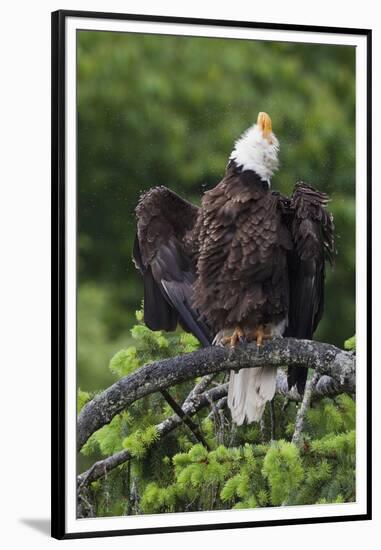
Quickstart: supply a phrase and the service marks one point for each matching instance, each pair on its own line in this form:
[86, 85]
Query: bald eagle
[247, 265]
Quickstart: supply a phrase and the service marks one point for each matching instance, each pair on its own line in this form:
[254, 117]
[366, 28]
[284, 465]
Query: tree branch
[299, 422]
[283, 352]
[185, 418]
[326, 386]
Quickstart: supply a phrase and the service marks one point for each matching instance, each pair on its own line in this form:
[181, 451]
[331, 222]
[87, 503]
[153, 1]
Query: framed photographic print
[211, 191]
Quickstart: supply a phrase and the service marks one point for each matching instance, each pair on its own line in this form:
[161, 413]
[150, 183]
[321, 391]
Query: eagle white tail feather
[249, 391]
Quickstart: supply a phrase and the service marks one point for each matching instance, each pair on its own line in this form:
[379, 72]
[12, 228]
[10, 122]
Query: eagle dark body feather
[248, 256]
[242, 262]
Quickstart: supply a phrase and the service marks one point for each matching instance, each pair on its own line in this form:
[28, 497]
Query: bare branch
[202, 385]
[324, 358]
[185, 418]
[326, 386]
[221, 404]
[299, 422]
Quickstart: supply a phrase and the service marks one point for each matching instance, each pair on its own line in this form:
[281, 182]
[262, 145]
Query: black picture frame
[58, 206]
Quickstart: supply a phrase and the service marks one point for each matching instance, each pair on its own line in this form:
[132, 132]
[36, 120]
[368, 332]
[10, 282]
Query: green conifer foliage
[242, 469]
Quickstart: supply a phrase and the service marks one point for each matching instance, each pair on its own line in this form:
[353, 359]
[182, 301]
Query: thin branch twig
[185, 418]
[300, 417]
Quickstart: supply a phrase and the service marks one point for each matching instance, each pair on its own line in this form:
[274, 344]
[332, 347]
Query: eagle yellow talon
[234, 339]
[260, 334]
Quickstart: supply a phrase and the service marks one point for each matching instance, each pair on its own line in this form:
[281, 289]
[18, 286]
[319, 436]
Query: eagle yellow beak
[265, 124]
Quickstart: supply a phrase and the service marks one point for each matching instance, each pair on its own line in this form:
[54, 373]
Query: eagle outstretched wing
[164, 252]
[312, 231]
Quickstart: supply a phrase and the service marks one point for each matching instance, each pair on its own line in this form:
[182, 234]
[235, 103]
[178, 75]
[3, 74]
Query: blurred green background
[165, 110]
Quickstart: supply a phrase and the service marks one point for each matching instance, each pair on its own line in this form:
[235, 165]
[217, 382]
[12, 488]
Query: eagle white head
[257, 149]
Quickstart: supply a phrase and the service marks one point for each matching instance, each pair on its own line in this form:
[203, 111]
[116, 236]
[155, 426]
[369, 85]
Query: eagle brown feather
[248, 256]
[242, 258]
